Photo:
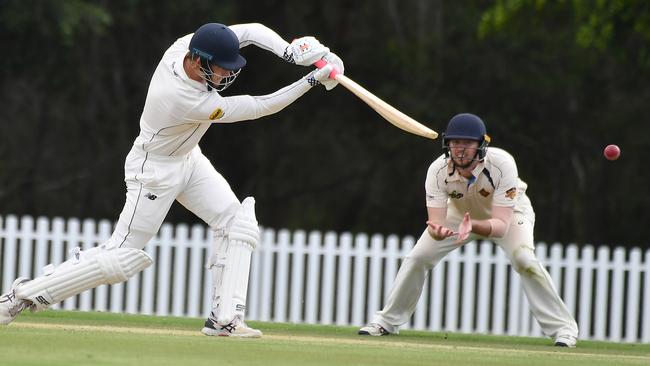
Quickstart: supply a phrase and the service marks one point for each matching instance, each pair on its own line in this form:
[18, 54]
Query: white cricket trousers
[545, 303]
[153, 182]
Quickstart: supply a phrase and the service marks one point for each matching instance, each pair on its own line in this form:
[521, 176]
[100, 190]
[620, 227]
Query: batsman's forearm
[261, 36]
[247, 107]
[275, 102]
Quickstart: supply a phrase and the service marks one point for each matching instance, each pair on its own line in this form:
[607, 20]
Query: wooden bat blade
[390, 113]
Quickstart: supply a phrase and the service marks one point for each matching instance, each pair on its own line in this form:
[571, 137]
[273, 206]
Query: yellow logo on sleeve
[511, 193]
[218, 113]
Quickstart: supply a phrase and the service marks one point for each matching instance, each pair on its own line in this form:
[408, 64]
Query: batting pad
[86, 270]
[230, 272]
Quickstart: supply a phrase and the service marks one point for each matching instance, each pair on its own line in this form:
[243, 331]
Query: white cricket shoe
[236, 328]
[565, 340]
[10, 307]
[373, 329]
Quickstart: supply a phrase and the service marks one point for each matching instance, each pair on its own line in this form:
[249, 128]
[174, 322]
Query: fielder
[166, 164]
[479, 192]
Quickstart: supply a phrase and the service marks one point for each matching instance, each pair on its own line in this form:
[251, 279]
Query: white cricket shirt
[495, 181]
[179, 110]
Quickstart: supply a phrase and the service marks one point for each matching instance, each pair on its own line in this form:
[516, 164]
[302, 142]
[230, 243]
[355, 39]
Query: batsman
[165, 164]
[474, 192]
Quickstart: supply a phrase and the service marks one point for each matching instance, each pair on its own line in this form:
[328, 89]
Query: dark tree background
[554, 81]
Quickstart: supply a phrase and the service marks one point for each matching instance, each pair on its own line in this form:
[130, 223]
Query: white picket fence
[343, 279]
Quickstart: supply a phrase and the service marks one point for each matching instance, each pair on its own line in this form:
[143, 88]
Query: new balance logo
[151, 196]
[42, 300]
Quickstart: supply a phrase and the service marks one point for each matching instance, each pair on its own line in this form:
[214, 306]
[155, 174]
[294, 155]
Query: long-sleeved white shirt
[179, 110]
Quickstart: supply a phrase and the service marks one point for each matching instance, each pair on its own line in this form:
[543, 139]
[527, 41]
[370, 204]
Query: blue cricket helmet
[466, 126]
[218, 45]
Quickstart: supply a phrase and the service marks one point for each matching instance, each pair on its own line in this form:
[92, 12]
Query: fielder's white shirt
[495, 181]
[179, 110]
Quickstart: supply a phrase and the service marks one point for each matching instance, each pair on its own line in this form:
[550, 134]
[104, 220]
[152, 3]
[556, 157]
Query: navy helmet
[216, 44]
[466, 126]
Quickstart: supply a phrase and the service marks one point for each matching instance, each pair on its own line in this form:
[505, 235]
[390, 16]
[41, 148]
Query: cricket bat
[390, 113]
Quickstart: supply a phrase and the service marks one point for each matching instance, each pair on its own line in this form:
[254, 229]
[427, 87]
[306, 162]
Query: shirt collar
[179, 70]
[453, 175]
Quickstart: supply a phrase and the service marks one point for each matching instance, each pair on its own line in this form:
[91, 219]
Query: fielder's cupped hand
[305, 51]
[464, 228]
[440, 232]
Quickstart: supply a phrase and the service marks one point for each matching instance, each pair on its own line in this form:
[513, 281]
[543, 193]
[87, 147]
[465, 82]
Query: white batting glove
[305, 51]
[335, 61]
[319, 76]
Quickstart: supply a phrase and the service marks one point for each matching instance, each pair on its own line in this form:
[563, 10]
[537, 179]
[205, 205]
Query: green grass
[90, 338]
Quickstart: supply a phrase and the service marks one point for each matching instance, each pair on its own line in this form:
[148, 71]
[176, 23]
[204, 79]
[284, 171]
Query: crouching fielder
[165, 164]
[473, 192]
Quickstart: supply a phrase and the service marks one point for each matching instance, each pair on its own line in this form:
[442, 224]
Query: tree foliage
[621, 27]
[555, 82]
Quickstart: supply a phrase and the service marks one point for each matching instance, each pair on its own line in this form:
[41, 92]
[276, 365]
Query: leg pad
[86, 270]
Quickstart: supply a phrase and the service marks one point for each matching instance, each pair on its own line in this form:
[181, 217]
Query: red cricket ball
[612, 152]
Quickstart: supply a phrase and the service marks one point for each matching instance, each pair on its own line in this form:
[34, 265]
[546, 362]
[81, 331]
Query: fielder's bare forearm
[438, 216]
[496, 226]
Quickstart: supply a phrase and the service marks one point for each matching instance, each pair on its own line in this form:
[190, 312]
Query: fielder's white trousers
[545, 303]
[153, 182]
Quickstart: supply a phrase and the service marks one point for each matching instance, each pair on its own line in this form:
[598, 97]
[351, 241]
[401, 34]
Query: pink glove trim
[322, 63]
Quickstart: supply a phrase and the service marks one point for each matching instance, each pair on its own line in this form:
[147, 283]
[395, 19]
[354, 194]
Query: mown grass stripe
[324, 339]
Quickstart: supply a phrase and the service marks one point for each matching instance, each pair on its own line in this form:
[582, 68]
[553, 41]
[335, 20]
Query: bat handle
[322, 63]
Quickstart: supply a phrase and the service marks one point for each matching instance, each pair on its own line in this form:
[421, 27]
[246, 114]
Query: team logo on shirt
[483, 192]
[218, 113]
[456, 195]
[511, 193]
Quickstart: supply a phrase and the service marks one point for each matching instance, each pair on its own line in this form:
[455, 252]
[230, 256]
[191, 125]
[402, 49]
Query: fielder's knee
[524, 261]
